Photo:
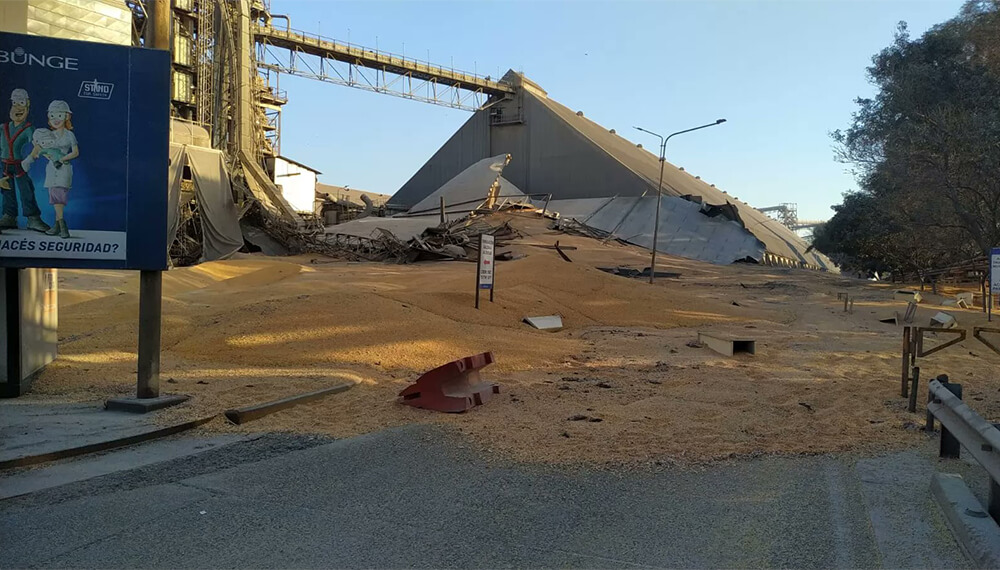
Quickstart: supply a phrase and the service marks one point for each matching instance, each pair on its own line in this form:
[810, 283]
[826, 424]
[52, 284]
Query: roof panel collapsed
[685, 229]
[420, 233]
[480, 185]
[557, 151]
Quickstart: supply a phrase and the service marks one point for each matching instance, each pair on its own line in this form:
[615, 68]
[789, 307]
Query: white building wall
[298, 185]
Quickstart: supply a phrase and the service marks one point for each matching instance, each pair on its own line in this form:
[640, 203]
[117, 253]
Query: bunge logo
[96, 90]
[21, 57]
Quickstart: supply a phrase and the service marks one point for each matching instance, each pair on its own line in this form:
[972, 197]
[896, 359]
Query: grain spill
[254, 329]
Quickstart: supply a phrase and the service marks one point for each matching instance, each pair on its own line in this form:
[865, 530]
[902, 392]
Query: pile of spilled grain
[617, 384]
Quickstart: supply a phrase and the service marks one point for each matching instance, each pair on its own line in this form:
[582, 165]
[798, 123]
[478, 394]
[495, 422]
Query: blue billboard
[84, 136]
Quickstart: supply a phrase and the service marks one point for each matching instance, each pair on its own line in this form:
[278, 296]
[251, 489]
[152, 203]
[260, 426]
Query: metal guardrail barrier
[963, 427]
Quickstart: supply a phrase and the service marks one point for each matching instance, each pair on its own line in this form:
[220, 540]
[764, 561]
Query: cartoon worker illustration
[16, 184]
[58, 146]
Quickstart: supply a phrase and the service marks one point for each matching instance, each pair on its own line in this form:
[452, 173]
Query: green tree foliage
[925, 150]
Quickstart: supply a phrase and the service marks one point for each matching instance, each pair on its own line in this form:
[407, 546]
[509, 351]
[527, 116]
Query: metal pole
[906, 362]
[150, 289]
[659, 186]
[545, 208]
[982, 287]
[656, 221]
[444, 217]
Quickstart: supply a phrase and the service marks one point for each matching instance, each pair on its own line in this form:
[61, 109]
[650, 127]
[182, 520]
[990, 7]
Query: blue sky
[783, 73]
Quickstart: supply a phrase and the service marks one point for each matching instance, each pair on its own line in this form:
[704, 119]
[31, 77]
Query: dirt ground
[255, 329]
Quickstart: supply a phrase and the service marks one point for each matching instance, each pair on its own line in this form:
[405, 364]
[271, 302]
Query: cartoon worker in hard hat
[15, 139]
[58, 145]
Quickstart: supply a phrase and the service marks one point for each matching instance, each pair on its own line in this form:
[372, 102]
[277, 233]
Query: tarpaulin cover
[219, 218]
[177, 162]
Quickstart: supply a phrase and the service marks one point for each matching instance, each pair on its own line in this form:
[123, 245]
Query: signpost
[84, 135]
[994, 280]
[484, 269]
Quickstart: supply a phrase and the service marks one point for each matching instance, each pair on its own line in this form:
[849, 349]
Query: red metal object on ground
[453, 387]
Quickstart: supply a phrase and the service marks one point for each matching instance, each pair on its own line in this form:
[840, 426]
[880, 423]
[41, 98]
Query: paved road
[414, 497]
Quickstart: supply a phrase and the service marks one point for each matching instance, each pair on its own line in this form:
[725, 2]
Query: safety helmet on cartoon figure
[59, 107]
[19, 97]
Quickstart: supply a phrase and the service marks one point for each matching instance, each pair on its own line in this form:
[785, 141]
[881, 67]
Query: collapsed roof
[471, 187]
[478, 187]
[557, 151]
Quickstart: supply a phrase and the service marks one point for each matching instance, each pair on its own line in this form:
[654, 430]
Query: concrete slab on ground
[419, 496]
[31, 429]
[909, 528]
[33, 479]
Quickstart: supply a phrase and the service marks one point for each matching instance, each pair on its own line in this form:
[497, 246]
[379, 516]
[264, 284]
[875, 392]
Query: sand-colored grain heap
[254, 329]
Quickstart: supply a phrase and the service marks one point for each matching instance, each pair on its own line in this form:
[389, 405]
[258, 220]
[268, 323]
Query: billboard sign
[84, 135]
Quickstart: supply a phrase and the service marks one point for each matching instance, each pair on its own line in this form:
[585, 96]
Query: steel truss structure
[314, 57]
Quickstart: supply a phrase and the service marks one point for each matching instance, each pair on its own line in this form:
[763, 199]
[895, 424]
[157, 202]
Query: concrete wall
[297, 184]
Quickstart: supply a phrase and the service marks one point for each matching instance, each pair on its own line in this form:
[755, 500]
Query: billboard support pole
[150, 312]
[151, 282]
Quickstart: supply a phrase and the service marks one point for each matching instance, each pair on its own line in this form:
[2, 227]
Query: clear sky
[783, 73]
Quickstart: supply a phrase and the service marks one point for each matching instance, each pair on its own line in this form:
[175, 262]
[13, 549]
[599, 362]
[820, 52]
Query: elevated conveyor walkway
[307, 55]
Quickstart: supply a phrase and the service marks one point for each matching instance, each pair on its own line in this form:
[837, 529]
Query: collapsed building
[597, 178]
[231, 188]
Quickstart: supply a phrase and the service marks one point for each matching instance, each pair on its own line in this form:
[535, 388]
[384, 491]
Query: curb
[243, 415]
[102, 445]
[974, 529]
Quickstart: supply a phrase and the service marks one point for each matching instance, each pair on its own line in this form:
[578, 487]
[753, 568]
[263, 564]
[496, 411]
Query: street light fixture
[659, 185]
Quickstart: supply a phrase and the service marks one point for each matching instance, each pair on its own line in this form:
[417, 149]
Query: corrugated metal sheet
[403, 228]
[684, 230]
[105, 21]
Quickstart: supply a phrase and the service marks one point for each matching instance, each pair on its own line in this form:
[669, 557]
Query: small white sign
[995, 270]
[486, 245]
[82, 244]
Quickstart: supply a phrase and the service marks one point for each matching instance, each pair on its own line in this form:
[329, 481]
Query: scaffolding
[787, 213]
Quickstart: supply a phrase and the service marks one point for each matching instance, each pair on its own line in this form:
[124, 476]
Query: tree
[925, 149]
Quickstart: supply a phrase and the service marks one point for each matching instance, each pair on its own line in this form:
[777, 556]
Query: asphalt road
[416, 497]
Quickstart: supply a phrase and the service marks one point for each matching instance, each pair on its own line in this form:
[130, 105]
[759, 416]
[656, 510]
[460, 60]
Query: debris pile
[450, 240]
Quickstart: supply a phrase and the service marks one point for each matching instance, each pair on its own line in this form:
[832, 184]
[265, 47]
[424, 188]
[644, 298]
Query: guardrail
[963, 427]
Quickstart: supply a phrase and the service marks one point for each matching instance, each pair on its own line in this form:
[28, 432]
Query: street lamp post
[659, 185]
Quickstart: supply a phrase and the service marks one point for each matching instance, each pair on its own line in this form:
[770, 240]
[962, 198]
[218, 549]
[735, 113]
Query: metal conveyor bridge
[314, 57]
